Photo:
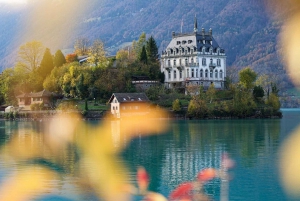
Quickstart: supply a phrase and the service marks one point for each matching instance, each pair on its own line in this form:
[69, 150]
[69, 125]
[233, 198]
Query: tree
[258, 92]
[138, 46]
[273, 101]
[122, 57]
[97, 54]
[30, 55]
[59, 59]
[143, 56]
[247, 77]
[152, 50]
[197, 108]
[81, 88]
[46, 65]
[71, 58]
[53, 81]
[211, 92]
[81, 46]
[176, 106]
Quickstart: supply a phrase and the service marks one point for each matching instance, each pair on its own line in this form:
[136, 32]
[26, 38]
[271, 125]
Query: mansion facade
[193, 59]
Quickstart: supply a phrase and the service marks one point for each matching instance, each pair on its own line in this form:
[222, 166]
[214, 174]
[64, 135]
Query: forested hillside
[242, 28]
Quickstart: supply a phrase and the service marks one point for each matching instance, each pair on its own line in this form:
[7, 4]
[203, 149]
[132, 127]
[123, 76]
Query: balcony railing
[192, 64]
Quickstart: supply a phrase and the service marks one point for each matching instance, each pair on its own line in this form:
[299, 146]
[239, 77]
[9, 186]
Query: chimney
[173, 34]
[210, 32]
[203, 32]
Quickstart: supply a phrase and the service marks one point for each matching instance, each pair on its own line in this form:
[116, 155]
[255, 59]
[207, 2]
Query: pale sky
[13, 1]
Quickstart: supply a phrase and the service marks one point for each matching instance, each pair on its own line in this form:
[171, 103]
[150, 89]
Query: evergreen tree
[151, 49]
[59, 59]
[138, 45]
[46, 65]
[143, 56]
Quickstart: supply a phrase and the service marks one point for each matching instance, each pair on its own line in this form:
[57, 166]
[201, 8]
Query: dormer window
[190, 41]
[183, 42]
[178, 42]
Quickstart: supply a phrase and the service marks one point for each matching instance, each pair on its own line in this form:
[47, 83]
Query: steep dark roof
[44, 93]
[129, 97]
[196, 40]
[137, 77]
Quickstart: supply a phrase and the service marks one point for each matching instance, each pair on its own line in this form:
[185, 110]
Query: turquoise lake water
[189, 146]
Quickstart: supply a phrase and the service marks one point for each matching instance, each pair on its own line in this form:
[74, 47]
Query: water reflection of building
[115, 133]
[180, 165]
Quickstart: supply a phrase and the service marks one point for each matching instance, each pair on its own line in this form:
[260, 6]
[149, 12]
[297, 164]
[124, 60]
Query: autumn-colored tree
[211, 93]
[81, 46]
[176, 105]
[97, 54]
[273, 101]
[247, 76]
[71, 57]
[30, 55]
[197, 108]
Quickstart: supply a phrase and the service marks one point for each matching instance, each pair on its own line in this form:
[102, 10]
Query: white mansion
[194, 58]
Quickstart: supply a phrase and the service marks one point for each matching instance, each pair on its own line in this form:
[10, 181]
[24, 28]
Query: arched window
[192, 72]
[211, 74]
[216, 74]
[192, 60]
[186, 61]
[174, 62]
[206, 73]
[180, 74]
[169, 75]
[204, 62]
[201, 73]
[221, 74]
[218, 62]
[175, 74]
[211, 61]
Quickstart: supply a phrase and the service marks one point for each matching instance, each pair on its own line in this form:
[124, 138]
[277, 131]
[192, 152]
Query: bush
[176, 106]
[67, 105]
[35, 107]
